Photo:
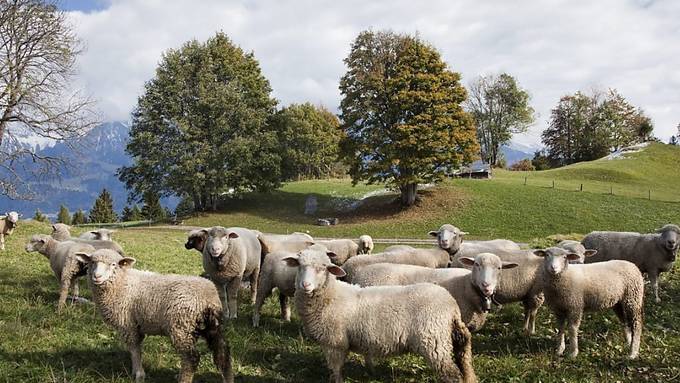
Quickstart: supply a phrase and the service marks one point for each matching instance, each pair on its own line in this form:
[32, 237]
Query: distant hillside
[514, 153]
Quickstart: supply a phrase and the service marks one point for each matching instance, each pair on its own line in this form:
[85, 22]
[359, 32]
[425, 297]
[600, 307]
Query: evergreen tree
[102, 211]
[136, 214]
[64, 215]
[152, 209]
[126, 214]
[79, 218]
[39, 216]
[185, 207]
[402, 114]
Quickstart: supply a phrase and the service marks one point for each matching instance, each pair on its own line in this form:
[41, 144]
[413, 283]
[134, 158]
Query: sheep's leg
[189, 365]
[561, 324]
[462, 352]
[574, 324]
[64, 285]
[335, 358]
[75, 290]
[232, 296]
[285, 308]
[618, 309]
[634, 316]
[531, 306]
[2, 242]
[254, 280]
[370, 363]
[264, 289]
[134, 343]
[223, 298]
[221, 354]
[654, 281]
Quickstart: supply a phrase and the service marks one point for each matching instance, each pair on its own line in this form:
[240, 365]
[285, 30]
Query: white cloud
[551, 47]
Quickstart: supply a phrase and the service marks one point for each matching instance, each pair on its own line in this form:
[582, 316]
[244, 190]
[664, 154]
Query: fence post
[581, 187]
[553, 184]
[649, 194]
[611, 190]
[525, 180]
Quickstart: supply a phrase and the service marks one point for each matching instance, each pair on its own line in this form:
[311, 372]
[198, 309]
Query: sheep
[229, 256]
[379, 321]
[470, 249]
[652, 253]
[571, 289]
[432, 258]
[365, 244]
[578, 248]
[290, 245]
[61, 232]
[8, 223]
[63, 262]
[99, 234]
[472, 290]
[342, 249]
[196, 240]
[139, 303]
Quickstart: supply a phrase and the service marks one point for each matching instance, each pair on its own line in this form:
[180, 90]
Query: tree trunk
[213, 200]
[408, 194]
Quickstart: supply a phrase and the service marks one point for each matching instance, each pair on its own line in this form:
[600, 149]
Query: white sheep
[231, 255]
[8, 223]
[365, 244]
[577, 248]
[271, 244]
[139, 303]
[379, 321]
[571, 289]
[342, 249]
[652, 253]
[98, 234]
[433, 258]
[63, 262]
[61, 232]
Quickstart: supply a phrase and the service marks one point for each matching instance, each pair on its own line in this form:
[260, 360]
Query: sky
[552, 47]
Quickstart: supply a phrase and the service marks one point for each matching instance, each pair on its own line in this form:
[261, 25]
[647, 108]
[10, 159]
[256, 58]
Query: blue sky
[552, 47]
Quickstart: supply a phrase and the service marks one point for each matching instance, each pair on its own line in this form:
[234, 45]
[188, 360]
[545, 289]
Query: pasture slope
[38, 345]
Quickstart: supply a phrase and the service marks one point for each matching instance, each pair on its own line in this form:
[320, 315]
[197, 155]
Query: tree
[102, 211]
[308, 138]
[64, 216]
[185, 207]
[79, 218]
[401, 113]
[38, 50]
[39, 216]
[131, 214]
[673, 141]
[523, 165]
[152, 209]
[200, 127]
[540, 161]
[500, 109]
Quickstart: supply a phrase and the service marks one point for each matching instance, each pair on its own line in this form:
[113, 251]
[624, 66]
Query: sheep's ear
[540, 253]
[331, 254]
[232, 235]
[573, 257]
[463, 233]
[434, 233]
[126, 262]
[336, 270]
[83, 257]
[309, 243]
[589, 253]
[509, 265]
[54, 227]
[467, 261]
[291, 261]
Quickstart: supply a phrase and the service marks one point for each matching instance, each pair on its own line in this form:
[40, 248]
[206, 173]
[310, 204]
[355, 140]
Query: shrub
[522, 166]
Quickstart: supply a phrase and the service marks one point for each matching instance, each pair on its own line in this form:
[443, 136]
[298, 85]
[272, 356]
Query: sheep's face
[449, 238]
[486, 271]
[60, 232]
[13, 217]
[37, 242]
[670, 240]
[365, 244]
[196, 240]
[314, 270]
[104, 265]
[578, 248]
[102, 234]
[556, 260]
[219, 240]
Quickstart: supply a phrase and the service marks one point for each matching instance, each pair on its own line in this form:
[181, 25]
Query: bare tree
[38, 49]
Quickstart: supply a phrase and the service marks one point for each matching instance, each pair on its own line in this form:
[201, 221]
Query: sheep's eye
[113, 264]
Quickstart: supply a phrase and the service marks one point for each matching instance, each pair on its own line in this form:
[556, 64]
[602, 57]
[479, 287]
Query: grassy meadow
[39, 345]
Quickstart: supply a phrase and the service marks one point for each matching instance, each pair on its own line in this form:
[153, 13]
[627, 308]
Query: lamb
[8, 223]
[576, 247]
[229, 256]
[652, 253]
[342, 249]
[472, 290]
[422, 318]
[139, 303]
[63, 262]
[571, 289]
[365, 244]
[99, 234]
[432, 258]
[61, 232]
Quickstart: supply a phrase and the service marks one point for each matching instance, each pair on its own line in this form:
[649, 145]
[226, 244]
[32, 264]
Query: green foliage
[39, 216]
[200, 127]
[523, 165]
[131, 214]
[308, 139]
[79, 218]
[402, 114]
[500, 109]
[64, 216]
[540, 160]
[152, 209]
[185, 207]
[585, 128]
[673, 141]
[102, 211]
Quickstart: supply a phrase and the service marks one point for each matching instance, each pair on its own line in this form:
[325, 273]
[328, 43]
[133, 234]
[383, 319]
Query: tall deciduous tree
[500, 109]
[199, 128]
[38, 49]
[402, 113]
[102, 211]
[308, 139]
[64, 216]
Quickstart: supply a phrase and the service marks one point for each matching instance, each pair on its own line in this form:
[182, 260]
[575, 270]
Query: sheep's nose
[306, 284]
[485, 284]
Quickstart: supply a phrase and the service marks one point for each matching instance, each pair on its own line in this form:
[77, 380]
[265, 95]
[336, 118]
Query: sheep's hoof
[657, 300]
[572, 354]
[256, 321]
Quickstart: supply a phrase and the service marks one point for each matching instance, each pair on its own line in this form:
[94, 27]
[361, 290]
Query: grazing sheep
[229, 256]
[470, 249]
[342, 249]
[652, 253]
[379, 321]
[99, 234]
[139, 303]
[62, 256]
[365, 244]
[571, 289]
[8, 223]
[61, 232]
[577, 248]
[432, 258]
